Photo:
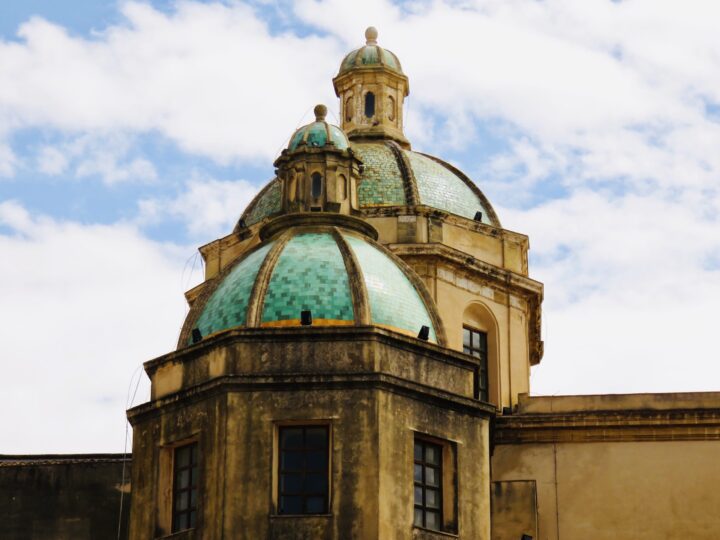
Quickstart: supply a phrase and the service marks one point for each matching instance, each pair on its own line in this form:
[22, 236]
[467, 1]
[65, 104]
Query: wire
[128, 403]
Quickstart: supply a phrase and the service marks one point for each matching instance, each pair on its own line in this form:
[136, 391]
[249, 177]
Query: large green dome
[393, 176]
[342, 277]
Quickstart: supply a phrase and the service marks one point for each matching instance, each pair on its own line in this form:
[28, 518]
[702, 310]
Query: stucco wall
[619, 490]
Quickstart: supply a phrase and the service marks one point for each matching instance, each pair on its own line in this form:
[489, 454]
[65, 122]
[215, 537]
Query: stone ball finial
[371, 35]
[320, 113]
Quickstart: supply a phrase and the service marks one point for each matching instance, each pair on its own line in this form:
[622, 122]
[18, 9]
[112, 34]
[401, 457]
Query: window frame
[482, 376]
[448, 483]
[281, 472]
[424, 486]
[193, 485]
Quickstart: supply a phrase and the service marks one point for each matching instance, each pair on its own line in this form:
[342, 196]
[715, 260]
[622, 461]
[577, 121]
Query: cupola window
[369, 104]
[316, 185]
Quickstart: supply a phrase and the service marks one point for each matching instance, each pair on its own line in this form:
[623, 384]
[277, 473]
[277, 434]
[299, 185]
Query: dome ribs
[412, 196]
[361, 302]
[257, 296]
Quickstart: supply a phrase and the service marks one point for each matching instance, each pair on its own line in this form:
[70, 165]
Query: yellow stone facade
[513, 466]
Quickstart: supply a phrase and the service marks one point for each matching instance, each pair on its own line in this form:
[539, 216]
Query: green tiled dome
[396, 177]
[370, 55]
[319, 133]
[319, 270]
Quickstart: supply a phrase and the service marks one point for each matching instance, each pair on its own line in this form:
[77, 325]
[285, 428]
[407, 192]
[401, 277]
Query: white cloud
[106, 156]
[622, 84]
[51, 161]
[606, 98]
[208, 207]
[104, 164]
[210, 77]
[83, 307]
[630, 299]
[8, 161]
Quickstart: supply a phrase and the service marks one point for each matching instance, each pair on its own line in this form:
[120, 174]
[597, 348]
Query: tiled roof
[389, 175]
[322, 271]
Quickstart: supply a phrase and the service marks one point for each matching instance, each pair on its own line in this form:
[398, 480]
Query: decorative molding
[610, 426]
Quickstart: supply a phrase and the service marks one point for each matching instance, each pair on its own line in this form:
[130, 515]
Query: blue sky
[133, 132]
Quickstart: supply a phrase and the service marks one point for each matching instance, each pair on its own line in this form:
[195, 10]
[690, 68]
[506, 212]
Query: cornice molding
[301, 382]
[610, 426]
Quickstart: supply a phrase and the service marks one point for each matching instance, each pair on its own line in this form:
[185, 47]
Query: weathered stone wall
[374, 389]
[63, 497]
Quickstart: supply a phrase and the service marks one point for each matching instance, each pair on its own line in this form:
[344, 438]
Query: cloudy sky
[133, 132]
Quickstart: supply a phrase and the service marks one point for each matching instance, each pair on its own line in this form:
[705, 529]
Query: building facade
[356, 364]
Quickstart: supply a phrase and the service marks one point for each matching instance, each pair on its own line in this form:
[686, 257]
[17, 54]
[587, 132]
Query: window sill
[295, 516]
[431, 534]
[187, 534]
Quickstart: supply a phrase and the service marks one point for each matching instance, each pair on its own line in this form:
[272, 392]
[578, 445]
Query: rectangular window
[185, 487]
[303, 470]
[475, 344]
[428, 485]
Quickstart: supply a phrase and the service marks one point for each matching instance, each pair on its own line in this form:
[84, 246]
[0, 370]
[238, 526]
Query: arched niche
[478, 317]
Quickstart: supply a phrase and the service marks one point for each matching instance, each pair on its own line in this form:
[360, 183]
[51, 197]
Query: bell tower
[372, 87]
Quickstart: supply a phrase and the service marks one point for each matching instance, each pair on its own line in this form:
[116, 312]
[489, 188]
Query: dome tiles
[370, 55]
[324, 271]
[319, 133]
[395, 177]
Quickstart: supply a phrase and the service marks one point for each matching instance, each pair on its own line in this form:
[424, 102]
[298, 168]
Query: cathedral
[356, 365]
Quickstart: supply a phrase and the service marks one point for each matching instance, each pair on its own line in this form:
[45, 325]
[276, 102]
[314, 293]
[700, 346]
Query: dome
[343, 278]
[396, 177]
[319, 133]
[370, 55]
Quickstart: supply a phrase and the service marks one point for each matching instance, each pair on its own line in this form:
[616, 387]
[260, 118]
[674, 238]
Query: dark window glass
[316, 185]
[185, 487]
[428, 485]
[369, 104]
[303, 475]
[475, 344]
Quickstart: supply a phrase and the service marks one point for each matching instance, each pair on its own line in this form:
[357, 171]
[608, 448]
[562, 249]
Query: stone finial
[371, 35]
[320, 113]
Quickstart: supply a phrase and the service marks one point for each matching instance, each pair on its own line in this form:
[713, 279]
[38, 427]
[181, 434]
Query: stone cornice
[39, 460]
[303, 382]
[466, 263]
[609, 426]
[446, 217]
[350, 334]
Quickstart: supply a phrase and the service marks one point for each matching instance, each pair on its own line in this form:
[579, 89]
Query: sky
[133, 132]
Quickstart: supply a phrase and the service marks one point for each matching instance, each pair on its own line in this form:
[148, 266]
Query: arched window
[369, 104]
[479, 335]
[316, 185]
[341, 187]
[348, 109]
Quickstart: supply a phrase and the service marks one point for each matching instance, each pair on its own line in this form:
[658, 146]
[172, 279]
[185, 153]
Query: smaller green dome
[343, 278]
[370, 55]
[319, 133]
